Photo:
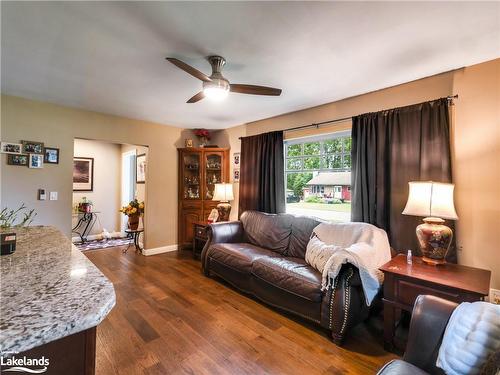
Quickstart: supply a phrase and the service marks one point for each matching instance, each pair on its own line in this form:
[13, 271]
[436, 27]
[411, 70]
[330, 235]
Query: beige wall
[58, 126]
[475, 144]
[107, 182]
[476, 165]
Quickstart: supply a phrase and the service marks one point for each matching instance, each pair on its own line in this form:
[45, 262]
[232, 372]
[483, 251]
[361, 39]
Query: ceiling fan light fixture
[216, 90]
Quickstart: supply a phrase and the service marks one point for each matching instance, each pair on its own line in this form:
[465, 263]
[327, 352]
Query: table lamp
[434, 201]
[224, 194]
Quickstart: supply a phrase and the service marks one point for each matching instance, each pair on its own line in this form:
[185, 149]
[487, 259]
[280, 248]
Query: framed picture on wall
[236, 159]
[51, 155]
[83, 174]
[21, 160]
[11, 148]
[35, 161]
[140, 174]
[236, 175]
[30, 147]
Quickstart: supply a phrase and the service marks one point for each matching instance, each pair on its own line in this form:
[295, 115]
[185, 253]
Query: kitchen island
[51, 300]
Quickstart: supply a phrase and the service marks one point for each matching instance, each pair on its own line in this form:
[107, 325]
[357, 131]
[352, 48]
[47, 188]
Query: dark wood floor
[170, 319]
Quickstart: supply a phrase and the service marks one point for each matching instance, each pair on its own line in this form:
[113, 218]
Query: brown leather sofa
[428, 322]
[263, 255]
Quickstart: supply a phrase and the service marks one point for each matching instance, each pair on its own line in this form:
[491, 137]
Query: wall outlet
[53, 195]
[494, 296]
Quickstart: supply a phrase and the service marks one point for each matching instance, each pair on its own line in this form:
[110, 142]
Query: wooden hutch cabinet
[199, 170]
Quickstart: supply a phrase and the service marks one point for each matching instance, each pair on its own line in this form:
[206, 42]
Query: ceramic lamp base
[224, 209]
[434, 239]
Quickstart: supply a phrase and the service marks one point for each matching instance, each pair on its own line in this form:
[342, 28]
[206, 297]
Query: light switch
[41, 194]
[53, 195]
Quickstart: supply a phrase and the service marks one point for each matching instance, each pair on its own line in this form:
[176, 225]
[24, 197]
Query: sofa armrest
[344, 304]
[226, 232]
[223, 232]
[428, 322]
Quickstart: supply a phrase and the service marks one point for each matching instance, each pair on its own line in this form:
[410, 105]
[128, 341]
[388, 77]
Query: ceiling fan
[216, 86]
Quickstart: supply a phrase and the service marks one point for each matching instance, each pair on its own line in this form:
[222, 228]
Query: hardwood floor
[170, 319]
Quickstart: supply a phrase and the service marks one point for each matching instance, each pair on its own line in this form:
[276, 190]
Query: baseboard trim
[160, 250]
[98, 236]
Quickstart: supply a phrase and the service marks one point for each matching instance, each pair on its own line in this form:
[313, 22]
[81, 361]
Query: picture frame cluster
[29, 154]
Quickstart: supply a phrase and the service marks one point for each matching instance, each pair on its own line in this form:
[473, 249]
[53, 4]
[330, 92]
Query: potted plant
[85, 205]
[133, 210]
[203, 135]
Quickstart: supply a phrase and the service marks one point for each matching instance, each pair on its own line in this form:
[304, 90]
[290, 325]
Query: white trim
[160, 250]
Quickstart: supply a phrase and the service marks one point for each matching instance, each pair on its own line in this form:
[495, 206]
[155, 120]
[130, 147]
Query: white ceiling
[110, 56]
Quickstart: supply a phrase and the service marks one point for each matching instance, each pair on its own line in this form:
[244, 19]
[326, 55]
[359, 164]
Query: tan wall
[107, 182]
[58, 126]
[476, 165]
[475, 143]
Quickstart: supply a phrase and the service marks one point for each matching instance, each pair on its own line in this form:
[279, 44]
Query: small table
[403, 283]
[86, 221]
[135, 233]
[200, 236]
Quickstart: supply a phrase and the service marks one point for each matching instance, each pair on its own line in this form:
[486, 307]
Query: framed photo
[83, 174]
[30, 147]
[140, 166]
[236, 159]
[236, 175]
[21, 160]
[35, 161]
[51, 155]
[11, 148]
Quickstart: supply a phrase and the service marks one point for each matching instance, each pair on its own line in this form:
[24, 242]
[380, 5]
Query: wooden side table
[403, 283]
[200, 237]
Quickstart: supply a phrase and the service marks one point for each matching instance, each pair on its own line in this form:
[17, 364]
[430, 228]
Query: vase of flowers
[203, 135]
[134, 210]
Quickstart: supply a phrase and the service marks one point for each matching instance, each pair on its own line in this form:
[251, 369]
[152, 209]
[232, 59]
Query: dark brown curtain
[262, 185]
[389, 149]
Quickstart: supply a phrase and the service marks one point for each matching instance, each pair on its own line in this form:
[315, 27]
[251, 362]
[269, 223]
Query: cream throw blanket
[472, 334]
[363, 245]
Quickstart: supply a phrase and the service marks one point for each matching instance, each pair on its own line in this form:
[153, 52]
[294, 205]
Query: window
[318, 176]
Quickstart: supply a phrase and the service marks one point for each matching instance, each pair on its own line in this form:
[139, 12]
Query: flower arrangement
[134, 208]
[203, 135]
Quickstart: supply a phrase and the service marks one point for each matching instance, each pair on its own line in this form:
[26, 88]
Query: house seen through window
[318, 176]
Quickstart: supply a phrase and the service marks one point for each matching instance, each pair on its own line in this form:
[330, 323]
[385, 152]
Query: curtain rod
[318, 124]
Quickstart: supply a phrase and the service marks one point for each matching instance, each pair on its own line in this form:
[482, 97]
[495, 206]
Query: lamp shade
[431, 199]
[223, 192]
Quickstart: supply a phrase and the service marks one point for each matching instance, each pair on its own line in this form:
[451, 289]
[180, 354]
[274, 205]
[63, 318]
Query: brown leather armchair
[263, 255]
[428, 323]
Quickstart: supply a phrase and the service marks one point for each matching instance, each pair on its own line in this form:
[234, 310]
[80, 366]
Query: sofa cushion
[290, 274]
[239, 256]
[302, 227]
[269, 231]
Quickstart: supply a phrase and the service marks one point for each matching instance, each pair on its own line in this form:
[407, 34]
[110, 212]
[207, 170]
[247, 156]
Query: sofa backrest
[283, 233]
[269, 231]
[302, 228]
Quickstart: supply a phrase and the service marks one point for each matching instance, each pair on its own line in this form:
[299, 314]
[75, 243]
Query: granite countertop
[48, 290]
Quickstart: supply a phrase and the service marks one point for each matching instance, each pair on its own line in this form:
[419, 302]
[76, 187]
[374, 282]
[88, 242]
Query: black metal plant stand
[86, 221]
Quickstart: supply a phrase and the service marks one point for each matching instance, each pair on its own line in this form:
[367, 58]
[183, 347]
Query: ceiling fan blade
[255, 90]
[189, 69]
[196, 98]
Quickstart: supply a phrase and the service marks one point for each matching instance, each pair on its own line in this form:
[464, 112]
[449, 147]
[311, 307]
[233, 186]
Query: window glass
[318, 176]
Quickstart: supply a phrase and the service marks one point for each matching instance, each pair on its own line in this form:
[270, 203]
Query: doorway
[106, 177]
